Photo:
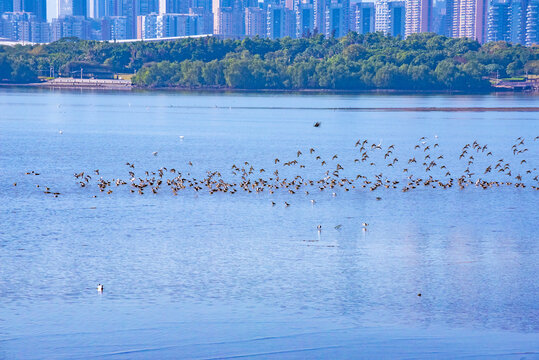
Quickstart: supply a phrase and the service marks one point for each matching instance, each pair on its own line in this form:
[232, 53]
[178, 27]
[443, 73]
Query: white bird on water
[60, 132]
[100, 288]
[154, 153]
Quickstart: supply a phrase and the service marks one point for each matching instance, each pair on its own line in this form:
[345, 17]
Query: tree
[5, 68]
[515, 68]
[119, 59]
[22, 73]
[212, 74]
[474, 69]
[422, 61]
[355, 52]
[237, 74]
[191, 73]
[448, 74]
[532, 67]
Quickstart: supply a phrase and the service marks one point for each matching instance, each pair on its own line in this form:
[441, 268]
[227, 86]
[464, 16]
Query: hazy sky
[51, 9]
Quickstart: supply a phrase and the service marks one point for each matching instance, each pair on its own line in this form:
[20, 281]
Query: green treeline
[354, 62]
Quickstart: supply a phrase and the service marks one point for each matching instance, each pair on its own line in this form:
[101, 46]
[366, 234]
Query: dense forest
[354, 62]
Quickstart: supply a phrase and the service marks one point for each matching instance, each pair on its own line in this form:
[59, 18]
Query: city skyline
[484, 20]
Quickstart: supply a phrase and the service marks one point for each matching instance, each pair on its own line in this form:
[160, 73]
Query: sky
[51, 9]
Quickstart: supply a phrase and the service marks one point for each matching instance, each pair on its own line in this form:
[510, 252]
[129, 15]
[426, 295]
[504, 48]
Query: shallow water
[230, 275]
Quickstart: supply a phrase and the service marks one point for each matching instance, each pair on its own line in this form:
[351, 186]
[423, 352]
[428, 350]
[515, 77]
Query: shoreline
[109, 85]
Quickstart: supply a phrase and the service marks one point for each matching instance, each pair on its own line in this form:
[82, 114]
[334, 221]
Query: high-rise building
[229, 17]
[439, 18]
[319, 11]
[170, 25]
[40, 32]
[119, 28]
[129, 11]
[145, 7]
[390, 17]
[6, 6]
[275, 22]
[23, 26]
[255, 21]
[364, 17]
[517, 19]
[173, 7]
[532, 23]
[447, 24]
[498, 22]
[331, 17]
[17, 5]
[205, 17]
[337, 18]
[304, 11]
[72, 8]
[96, 9]
[205, 4]
[154, 26]
[147, 26]
[229, 22]
[470, 19]
[418, 16]
[112, 8]
[36, 7]
[80, 8]
[63, 8]
[123, 19]
[397, 11]
[70, 26]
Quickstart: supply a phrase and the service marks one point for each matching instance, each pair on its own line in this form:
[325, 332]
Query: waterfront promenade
[115, 84]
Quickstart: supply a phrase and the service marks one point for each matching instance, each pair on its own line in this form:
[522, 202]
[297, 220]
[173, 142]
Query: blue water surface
[223, 275]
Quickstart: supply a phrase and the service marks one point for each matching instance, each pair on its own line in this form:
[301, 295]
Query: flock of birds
[307, 172]
[425, 167]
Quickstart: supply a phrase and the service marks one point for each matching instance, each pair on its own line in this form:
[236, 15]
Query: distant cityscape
[515, 21]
